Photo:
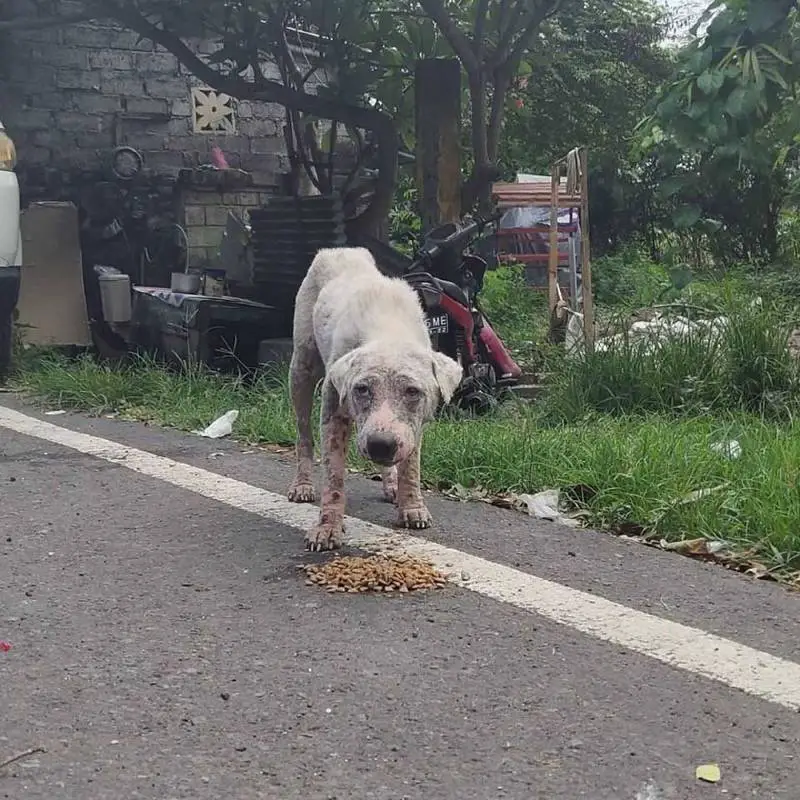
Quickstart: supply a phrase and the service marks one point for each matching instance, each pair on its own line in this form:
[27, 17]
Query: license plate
[438, 324]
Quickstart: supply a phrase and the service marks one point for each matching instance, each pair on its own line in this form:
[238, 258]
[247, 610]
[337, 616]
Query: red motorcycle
[448, 280]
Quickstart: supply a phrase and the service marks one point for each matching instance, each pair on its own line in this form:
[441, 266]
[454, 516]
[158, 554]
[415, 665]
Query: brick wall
[205, 215]
[69, 95]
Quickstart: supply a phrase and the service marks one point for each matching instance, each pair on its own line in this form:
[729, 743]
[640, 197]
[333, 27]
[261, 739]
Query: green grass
[743, 366]
[624, 471]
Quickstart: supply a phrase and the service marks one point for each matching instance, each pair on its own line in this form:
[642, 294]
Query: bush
[517, 312]
[628, 277]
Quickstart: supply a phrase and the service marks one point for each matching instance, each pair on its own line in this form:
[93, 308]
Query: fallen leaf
[4, 646]
[708, 772]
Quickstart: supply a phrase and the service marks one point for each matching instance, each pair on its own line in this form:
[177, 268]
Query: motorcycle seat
[449, 288]
[453, 291]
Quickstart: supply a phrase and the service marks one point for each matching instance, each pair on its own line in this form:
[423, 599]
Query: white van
[10, 248]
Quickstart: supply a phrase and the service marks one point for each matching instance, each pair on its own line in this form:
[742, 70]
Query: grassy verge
[629, 473]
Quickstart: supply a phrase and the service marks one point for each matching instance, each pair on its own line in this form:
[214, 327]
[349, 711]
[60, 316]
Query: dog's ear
[341, 373]
[448, 375]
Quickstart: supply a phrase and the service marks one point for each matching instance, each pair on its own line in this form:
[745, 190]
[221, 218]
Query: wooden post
[586, 262]
[552, 264]
[437, 88]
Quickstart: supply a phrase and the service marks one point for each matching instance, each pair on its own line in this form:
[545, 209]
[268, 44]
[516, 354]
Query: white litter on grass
[544, 505]
[655, 332]
[731, 449]
[222, 426]
[701, 494]
[54, 413]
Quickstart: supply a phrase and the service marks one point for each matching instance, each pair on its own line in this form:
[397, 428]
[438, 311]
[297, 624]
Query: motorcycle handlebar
[458, 238]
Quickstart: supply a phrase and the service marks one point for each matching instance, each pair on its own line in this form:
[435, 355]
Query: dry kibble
[386, 574]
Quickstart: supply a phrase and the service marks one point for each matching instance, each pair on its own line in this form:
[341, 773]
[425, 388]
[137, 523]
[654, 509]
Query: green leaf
[711, 81]
[701, 59]
[776, 54]
[758, 77]
[680, 277]
[776, 78]
[742, 101]
[686, 216]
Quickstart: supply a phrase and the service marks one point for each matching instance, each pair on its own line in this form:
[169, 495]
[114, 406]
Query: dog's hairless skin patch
[366, 335]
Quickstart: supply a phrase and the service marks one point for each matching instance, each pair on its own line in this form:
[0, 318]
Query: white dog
[366, 334]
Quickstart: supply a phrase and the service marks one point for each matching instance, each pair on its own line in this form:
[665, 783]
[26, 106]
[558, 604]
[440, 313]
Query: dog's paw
[301, 492]
[324, 537]
[415, 517]
[389, 485]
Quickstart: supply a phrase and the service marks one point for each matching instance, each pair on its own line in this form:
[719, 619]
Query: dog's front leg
[389, 481]
[336, 426]
[411, 509]
[303, 376]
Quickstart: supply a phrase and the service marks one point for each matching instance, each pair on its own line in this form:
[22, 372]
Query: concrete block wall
[69, 95]
[205, 215]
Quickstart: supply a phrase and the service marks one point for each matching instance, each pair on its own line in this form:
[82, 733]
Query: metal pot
[185, 282]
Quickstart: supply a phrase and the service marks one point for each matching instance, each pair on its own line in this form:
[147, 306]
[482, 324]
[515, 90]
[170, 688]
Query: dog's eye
[413, 393]
[361, 389]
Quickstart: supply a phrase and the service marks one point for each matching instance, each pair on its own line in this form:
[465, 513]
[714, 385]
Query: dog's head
[390, 392]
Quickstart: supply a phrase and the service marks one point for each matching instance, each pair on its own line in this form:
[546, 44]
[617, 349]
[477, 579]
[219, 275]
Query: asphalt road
[164, 645]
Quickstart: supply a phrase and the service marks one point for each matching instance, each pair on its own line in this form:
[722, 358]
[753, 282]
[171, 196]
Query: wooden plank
[564, 228]
[552, 266]
[510, 195]
[532, 258]
[586, 261]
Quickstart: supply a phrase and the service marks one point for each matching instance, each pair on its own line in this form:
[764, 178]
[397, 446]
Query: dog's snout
[382, 448]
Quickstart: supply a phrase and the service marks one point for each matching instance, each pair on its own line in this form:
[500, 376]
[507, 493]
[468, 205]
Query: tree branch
[531, 26]
[481, 13]
[502, 80]
[508, 54]
[274, 92]
[455, 37]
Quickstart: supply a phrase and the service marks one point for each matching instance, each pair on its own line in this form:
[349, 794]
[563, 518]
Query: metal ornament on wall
[212, 111]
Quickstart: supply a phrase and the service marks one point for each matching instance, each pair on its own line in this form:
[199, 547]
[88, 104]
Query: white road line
[752, 671]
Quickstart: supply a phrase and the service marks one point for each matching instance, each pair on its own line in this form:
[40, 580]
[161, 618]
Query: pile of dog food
[355, 574]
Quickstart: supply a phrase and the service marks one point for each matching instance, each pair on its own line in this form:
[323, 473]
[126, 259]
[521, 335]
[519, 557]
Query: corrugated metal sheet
[286, 235]
[533, 193]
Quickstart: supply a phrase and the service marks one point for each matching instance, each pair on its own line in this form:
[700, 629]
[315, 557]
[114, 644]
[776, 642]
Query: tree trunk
[437, 90]
[483, 172]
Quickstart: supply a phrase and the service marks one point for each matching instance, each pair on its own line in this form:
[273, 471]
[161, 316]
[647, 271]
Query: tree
[728, 118]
